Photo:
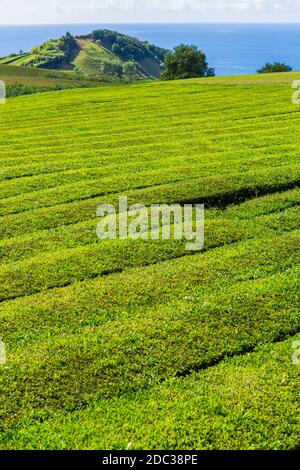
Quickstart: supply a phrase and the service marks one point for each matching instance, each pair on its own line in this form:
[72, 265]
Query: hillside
[103, 54]
[141, 344]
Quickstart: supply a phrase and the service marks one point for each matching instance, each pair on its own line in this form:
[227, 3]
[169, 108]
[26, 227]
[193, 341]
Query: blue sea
[233, 49]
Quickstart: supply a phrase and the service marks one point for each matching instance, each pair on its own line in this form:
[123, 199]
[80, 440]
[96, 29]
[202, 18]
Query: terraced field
[141, 344]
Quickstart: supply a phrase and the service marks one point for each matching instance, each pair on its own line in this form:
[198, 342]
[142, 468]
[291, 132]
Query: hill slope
[28, 80]
[117, 342]
[102, 54]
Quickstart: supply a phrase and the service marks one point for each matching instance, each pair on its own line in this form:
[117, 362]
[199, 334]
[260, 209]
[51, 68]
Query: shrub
[275, 68]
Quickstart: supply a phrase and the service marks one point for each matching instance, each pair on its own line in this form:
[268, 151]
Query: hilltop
[103, 54]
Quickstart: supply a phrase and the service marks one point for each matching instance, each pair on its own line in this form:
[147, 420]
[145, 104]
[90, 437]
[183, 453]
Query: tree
[274, 68]
[186, 62]
[130, 68]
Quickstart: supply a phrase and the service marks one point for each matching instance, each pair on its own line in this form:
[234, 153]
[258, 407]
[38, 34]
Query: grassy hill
[140, 343]
[103, 54]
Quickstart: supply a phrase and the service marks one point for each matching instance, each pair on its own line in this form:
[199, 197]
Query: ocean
[233, 49]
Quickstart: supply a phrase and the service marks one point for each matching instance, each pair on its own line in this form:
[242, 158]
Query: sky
[147, 11]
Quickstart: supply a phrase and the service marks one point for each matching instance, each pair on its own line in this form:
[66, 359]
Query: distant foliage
[128, 48]
[275, 68]
[102, 55]
[111, 68]
[130, 69]
[186, 62]
[19, 90]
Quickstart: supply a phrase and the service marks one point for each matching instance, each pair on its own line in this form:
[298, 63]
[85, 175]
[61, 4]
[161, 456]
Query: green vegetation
[55, 53]
[275, 68]
[186, 62]
[120, 341]
[103, 55]
[140, 59]
[28, 80]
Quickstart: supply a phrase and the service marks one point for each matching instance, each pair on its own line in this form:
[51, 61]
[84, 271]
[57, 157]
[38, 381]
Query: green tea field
[141, 344]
